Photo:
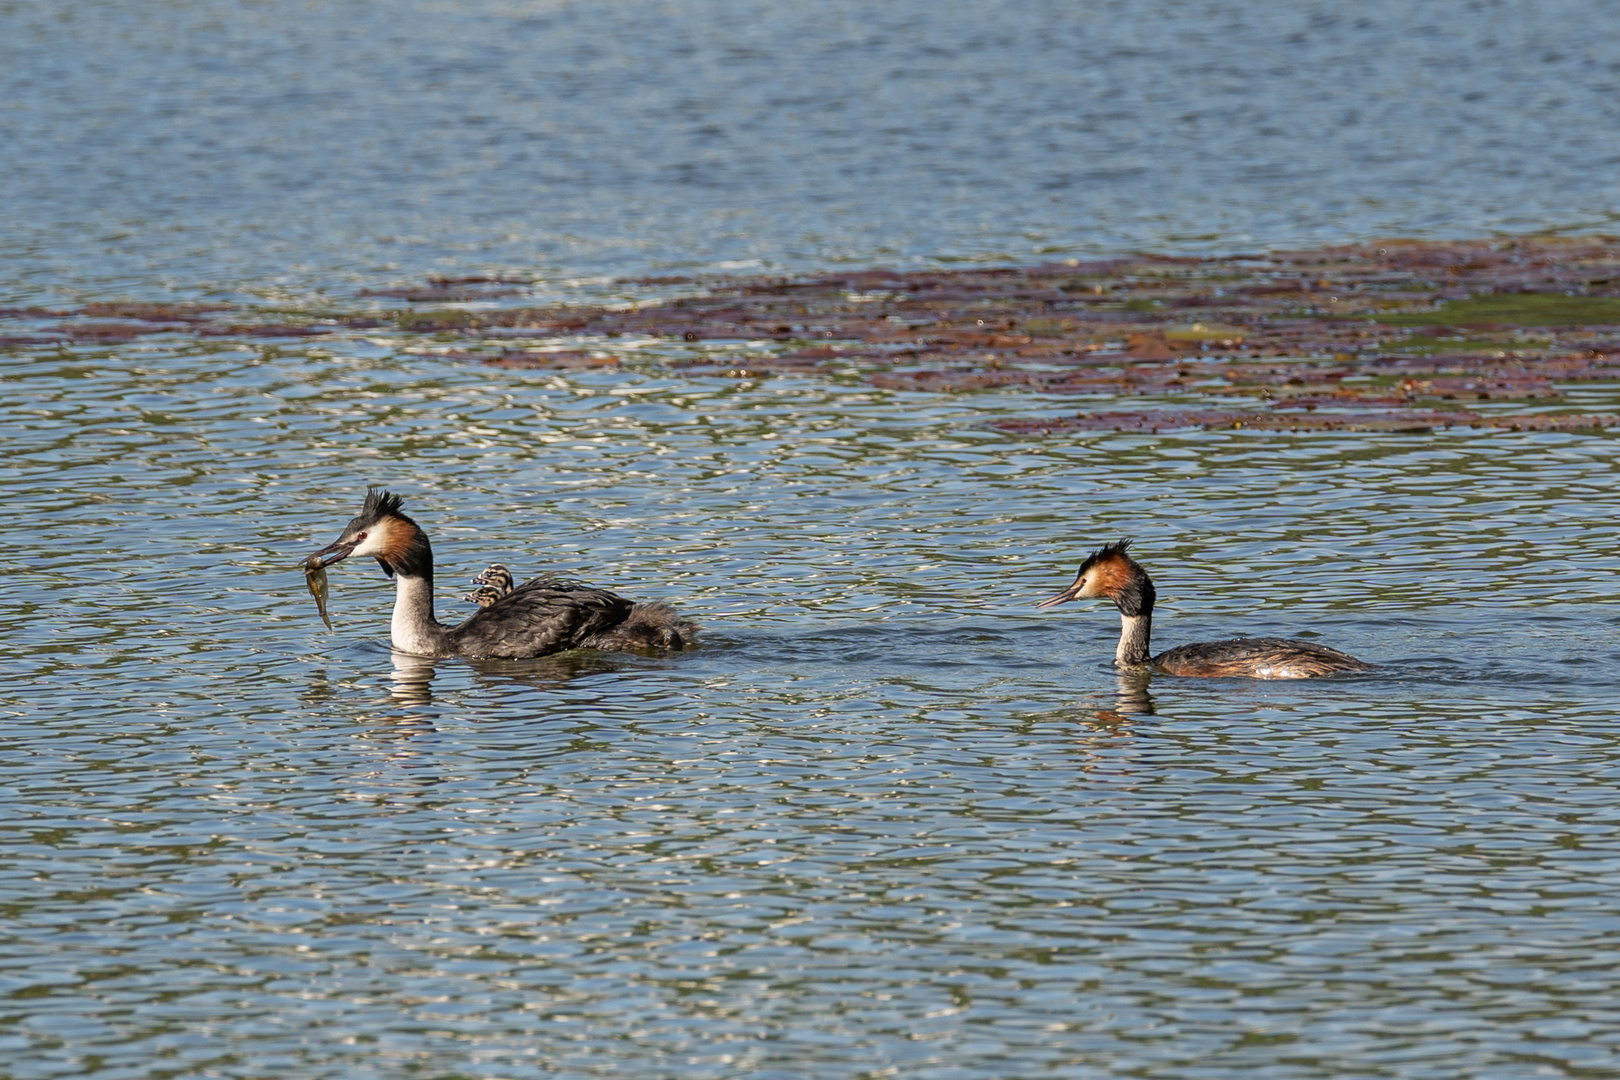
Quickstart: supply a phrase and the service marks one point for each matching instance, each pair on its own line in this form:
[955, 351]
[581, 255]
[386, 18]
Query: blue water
[281, 147]
[889, 819]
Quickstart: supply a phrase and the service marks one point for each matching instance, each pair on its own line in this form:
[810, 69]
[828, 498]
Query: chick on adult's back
[1111, 574]
[542, 616]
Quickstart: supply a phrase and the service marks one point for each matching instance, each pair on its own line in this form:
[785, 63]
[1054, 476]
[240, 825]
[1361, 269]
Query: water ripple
[889, 816]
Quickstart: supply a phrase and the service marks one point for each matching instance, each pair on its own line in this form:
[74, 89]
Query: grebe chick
[539, 617]
[484, 595]
[1113, 575]
[494, 583]
[496, 577]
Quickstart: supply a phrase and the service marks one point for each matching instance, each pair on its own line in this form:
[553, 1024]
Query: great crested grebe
[539, 617]
[1113, 575]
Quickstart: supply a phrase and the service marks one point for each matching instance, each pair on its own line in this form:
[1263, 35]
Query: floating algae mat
[1387, 335]
[1516, 309]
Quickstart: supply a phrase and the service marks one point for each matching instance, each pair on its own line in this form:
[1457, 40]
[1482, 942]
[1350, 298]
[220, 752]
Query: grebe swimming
[1113, 575]
[539, 617]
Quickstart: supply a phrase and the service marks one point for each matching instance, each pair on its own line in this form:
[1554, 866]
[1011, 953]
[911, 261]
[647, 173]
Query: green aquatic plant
[1513, 309]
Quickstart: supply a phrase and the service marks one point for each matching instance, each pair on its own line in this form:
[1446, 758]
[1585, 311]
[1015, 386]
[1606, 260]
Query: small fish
[315, 578]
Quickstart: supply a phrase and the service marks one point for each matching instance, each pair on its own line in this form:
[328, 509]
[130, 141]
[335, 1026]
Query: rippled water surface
[887, 817]
[288, 146]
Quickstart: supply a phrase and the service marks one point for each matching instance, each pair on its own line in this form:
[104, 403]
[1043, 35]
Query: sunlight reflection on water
[889, 818]
[267, 152]
[888, 814]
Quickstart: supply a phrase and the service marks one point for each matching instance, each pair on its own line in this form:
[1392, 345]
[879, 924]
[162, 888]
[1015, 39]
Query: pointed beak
[333, 552]
[1071, 593]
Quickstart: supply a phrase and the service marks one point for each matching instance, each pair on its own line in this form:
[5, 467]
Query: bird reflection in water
[412, 676]
[412, 679]
[1131, 698]
[1107, 719]
[408, 685]
[1111, 716]
[318, 688]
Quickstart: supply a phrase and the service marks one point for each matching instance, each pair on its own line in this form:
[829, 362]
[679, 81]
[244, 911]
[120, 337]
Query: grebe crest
[539, 617]
[383, 531]
[1111, 574]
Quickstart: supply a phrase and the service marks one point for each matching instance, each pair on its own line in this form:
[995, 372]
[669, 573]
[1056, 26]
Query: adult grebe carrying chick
[542, 616]
[1110, 574]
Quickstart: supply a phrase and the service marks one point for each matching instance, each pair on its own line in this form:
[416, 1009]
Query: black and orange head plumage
[378, 505]
[1109, 573]
[1112, 566]
[383, 531]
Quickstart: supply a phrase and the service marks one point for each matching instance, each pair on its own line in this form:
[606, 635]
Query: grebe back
[542, 616]
[1113, 575]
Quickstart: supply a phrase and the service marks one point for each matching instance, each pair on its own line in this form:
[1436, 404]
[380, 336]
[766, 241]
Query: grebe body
[1111, 574]
[1256, 658]
[542, 616]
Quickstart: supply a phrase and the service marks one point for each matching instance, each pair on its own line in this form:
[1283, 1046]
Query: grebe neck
[1134, 632]
[405, 554]
[1135, 599]
[414, 630]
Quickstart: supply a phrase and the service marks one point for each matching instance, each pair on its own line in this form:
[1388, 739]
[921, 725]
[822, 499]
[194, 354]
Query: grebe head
[382, 531]
[1110, 574]
[497, 577]
[484, 595]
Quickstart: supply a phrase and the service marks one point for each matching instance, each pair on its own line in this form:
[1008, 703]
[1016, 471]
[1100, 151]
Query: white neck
[414, 630]
[1134, 632]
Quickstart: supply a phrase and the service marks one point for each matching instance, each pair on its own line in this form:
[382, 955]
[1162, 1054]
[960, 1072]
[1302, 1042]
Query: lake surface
[290, 148]
[888, 819]
[888, 816]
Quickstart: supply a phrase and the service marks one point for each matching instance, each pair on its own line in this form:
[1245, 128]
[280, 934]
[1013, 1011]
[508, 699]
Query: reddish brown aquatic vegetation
[262, 330]
[108, 332]
[445, 293]
[146, 312]
[33, 313]
[1394, 420]
[554, 360]
[1383, 335]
